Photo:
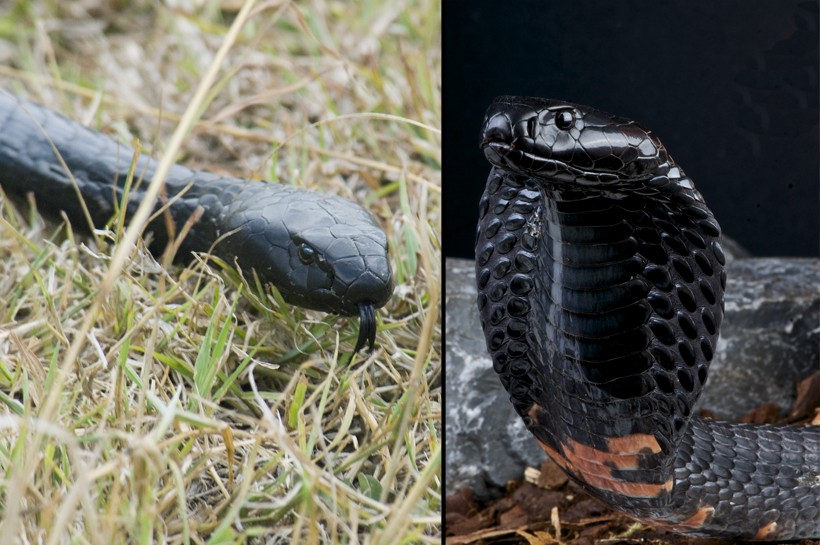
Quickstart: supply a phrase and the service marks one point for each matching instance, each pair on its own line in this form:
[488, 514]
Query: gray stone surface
[770, 339]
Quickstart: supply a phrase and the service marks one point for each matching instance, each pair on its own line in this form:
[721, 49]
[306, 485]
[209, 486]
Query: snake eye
[564, 119]
[307, 254]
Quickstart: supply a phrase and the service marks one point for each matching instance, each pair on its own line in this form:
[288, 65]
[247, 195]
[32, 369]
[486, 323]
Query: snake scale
[320, 251]
[600, 282]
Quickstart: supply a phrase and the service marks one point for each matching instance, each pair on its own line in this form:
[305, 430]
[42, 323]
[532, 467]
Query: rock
[770, 338]
[769, 341]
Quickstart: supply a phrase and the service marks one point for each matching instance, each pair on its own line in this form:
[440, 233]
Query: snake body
[600, 286]
[320, 251]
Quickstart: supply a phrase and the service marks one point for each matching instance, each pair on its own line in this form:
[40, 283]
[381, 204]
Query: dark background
[730, 87]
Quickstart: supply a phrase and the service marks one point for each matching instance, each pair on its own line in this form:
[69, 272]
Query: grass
[143, 402]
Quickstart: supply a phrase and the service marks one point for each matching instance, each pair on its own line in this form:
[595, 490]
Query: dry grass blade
[144, 403]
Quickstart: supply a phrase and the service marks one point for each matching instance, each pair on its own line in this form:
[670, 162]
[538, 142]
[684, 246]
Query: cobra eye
[564, 119]
[307, 254]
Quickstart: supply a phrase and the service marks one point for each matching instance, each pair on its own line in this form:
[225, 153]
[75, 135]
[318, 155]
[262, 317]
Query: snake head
[320, 251]
[552, 139]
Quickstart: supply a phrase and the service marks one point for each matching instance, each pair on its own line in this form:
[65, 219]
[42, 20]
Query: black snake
[320, 251]
[600, 287]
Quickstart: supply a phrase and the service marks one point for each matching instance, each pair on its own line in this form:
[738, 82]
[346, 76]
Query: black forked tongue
[367, 327]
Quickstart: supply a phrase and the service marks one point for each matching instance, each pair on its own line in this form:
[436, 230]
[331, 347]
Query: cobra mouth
[367, 327]
[507, 155]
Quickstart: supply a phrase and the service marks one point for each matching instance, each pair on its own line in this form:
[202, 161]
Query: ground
[147, 402]
[546, 508]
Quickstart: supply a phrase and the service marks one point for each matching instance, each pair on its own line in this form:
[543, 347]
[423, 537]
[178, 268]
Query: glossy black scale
[601, 279]
[320, 251]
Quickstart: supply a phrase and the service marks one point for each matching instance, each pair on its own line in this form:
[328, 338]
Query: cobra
[320, 251]
[600, 286]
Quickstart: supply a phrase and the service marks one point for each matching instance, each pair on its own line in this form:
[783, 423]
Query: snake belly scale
[321, 252]
[600, 282]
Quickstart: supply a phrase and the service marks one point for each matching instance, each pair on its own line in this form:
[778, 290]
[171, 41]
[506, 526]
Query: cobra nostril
[496, 129]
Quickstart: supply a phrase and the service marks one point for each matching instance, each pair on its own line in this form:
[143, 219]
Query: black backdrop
[730, 87]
